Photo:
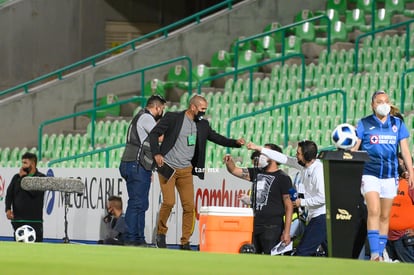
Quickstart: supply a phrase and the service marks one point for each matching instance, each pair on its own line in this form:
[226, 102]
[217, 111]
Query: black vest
[133, 146]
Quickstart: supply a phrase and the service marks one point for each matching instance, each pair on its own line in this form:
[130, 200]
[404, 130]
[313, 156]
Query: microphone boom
[53, 184]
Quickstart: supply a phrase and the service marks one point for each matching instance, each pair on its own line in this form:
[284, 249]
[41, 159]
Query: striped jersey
[381, 140]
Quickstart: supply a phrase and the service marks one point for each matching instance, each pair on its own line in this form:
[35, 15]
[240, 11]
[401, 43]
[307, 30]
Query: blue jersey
[381, 140]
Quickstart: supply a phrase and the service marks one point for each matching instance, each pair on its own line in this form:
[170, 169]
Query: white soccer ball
[344, 136]
[25, 234]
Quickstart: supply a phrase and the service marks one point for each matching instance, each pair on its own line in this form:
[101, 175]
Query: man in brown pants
[183, 148]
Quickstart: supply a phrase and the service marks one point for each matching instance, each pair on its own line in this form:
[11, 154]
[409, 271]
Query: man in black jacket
[183, 148]
[25, 207]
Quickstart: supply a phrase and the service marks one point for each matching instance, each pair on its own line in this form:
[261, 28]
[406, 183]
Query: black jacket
[170, 126]
[26, 205]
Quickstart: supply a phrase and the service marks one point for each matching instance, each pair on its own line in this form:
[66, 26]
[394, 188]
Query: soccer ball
[344, 136]
[25, 234]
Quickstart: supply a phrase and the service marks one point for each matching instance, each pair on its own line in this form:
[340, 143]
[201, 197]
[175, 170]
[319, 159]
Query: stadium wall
[87, 211]
[22, 113]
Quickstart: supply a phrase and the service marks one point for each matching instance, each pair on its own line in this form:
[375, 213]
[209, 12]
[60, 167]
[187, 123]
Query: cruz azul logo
[343, 215]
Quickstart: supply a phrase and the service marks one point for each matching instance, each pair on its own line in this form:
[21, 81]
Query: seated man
[115, 222]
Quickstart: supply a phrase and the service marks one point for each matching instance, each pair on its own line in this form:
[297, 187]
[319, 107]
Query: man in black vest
[183, 148]
[136, 166]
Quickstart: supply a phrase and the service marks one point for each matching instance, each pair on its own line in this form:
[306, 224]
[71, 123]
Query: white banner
[85, 212]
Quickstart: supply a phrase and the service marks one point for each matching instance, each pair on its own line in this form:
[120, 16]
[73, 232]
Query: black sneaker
[161, 241]
[185, 246]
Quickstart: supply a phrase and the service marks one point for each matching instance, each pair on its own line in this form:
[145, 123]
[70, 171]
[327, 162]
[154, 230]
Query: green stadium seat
[220, 62]
[176, 77]
[395, 6]
[67, 141]
[355, 20]
[303, 15]
[277, 36]
[110, 111]
[365, 5]
[59, 141]
[76, 142]
[154, 86]
[293, 44]
[338, 5]
[382, 18]
[14, 154]
[242, 46]
[338, 34]
[266, 47]
[247, 58]
[201, 72]
[333, 16]
[51, 142]
[306, 32]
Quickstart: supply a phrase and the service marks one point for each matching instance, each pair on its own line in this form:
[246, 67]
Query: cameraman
[115, 222]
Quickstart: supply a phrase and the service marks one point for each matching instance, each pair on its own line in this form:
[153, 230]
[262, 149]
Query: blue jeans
[398, 251]
[314, 235]
[138, 182]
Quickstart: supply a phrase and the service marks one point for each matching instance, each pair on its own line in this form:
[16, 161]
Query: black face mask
[158, 117]
[199, 116]
[27, 169]
[301, 163]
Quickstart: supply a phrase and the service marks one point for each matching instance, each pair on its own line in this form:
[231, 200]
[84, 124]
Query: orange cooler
[225, 229]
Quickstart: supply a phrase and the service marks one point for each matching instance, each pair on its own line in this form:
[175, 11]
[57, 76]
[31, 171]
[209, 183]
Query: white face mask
[383, 109]
[263, 161]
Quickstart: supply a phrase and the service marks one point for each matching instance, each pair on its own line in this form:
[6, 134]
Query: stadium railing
[283, 31]
[105, 150]
[142, 72]
[372, 33]
[93, 60]
[82, 113]
[250, 69]
[285, 107]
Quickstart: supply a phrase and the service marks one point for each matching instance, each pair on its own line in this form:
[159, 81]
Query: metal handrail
[94, 59]
[403, 88]
[81, 113]
[283, 30]
[142, 71]
[407, 40]
[105, 150]
[251, 67]
[286, 106]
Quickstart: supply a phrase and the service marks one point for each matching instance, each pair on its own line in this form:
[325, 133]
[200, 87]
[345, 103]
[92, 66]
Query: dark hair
[30, 156]
[255, 154]
[309, 149]
[154, 99]
[375, 94]
[274, 147]
[117, 200]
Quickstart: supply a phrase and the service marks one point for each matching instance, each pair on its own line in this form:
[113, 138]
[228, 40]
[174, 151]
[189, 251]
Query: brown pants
[183, 180]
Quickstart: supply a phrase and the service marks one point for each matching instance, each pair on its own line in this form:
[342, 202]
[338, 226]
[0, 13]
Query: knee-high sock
[373, 239]
[382, 243]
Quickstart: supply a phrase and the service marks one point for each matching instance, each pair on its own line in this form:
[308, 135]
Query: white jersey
[312, 179]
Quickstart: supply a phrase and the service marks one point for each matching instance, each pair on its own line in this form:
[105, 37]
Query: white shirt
[312, 179]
